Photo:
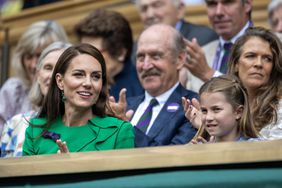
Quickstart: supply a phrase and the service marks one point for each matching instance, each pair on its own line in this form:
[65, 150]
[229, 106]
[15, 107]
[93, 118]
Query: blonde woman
[13, 94]
[13, 134]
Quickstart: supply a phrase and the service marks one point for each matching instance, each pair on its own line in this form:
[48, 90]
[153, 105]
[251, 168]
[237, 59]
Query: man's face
[159, 11]
[156, 65]
[228, 17]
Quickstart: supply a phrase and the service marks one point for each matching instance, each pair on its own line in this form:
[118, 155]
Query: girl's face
[82, 83]
[45, 72]
[219, 117]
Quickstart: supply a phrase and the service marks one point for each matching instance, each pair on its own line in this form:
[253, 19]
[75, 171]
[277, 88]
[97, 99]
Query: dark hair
[237, 96]
[264, 106]
[53, 106]
[112, 27]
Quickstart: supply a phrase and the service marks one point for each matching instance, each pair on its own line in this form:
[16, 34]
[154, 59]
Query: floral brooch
[51, 135]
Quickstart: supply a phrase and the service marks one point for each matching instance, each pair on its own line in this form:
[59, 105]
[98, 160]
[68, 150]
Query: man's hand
[196, 61]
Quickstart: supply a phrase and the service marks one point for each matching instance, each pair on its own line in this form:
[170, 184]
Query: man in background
[172, 12]
[230, 19]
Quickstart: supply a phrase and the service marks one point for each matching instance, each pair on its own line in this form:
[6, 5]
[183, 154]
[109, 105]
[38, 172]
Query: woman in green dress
[74, 113]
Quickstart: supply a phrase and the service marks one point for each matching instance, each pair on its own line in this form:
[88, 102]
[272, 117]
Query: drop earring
[63, 96]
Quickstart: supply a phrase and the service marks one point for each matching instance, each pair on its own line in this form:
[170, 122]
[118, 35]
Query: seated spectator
[229, 19]
[275, 15]
[14, 130]
[256, 61]
[73, 115]
[110, 32]
[14, 92]
[158, 114]
[225, 112]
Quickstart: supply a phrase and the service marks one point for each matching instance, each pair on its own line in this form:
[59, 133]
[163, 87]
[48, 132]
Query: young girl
[224, 112]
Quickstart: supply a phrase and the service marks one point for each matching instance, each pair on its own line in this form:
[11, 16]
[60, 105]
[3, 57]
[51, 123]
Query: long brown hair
[264, 105]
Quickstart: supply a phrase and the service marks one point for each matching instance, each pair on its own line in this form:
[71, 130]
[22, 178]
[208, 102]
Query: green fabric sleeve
[125, 138]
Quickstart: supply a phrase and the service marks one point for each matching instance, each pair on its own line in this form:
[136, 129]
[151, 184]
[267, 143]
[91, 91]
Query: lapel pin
[172, 107]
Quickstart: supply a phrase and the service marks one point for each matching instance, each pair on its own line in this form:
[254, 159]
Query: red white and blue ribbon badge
[172, 107]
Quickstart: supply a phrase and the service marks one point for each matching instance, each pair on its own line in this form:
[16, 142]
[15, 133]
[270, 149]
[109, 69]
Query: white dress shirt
[156, 109]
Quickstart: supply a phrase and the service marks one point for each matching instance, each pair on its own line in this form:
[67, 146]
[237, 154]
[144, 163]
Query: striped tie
[224, 62]
[146, 117]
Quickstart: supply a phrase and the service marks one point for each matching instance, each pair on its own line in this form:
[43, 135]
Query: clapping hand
[119, 108]
[192, 111]
[196, 61]
[62, 146]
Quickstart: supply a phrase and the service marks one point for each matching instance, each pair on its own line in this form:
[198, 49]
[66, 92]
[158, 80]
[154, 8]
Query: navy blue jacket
[170, 127]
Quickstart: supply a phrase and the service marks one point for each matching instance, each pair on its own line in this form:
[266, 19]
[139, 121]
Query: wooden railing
[129, 161]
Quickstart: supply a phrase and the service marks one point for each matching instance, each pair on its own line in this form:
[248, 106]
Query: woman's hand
[62, 146]
[119, 108]
[192, 111]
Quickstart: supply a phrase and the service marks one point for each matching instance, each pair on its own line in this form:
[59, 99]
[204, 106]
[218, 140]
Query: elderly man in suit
[229, 19]
[172, 12]
[158, 114]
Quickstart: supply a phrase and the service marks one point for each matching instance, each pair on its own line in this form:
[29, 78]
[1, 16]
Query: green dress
[98, 134]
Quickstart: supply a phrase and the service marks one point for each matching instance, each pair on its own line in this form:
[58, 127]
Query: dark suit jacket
[169, 128]
[128, 79]
[203, 34]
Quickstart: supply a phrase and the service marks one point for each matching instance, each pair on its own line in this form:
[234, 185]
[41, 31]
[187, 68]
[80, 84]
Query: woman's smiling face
[82, 82]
